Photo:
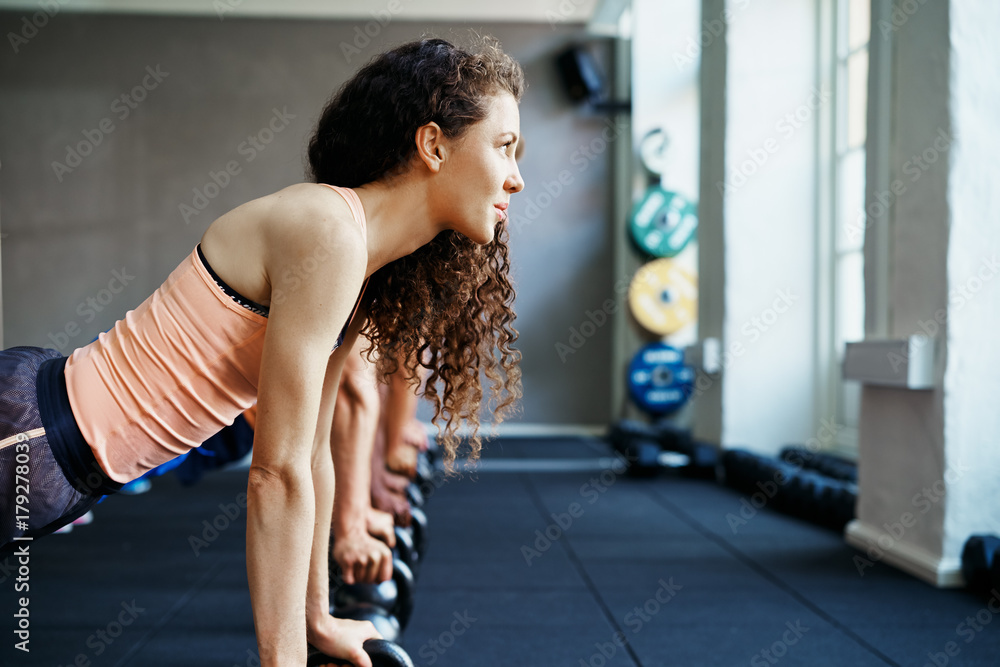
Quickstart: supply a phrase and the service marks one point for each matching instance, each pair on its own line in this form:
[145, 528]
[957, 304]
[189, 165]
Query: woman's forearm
[400, 406]
[352, 439]
[318, 588]
[280, 516]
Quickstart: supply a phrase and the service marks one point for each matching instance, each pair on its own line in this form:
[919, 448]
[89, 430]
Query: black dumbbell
[433, 452]
[994, 576]
[418, 529]
[704, 461]
[639, 443]
[388, 605]
[383, 653]
[385, 623]
[979, 563]
[405, 550]
[411, 542]
[414, 495]
[425, 471]
[824, 463]
[741, 469]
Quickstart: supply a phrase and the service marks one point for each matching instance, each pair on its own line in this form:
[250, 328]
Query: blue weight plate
[658, 380]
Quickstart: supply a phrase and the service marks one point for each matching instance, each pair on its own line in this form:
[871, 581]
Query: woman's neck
[399, 219]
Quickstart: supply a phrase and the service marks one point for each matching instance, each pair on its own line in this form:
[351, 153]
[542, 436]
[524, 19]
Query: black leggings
[48, 474]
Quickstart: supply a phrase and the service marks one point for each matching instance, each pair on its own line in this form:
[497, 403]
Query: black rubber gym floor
[541, 558]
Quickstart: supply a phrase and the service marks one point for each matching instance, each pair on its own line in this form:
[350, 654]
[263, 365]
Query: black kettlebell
[418, 528]
[414, 495]
[425, 472]
[405, 549]
[385, 623]
[383, 653]
[395, 597]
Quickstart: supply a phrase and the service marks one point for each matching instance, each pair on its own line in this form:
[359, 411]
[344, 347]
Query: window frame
[835, 53]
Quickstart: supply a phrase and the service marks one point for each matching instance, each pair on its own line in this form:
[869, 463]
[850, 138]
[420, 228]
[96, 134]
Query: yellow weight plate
[663, 297]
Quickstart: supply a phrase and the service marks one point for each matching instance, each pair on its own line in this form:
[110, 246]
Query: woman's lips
[501, 210]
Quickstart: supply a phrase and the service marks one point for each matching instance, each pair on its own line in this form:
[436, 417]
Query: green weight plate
[663, 222]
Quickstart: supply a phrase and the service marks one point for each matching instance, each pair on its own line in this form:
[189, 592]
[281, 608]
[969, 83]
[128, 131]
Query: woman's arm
[334, 637]
[318, 587]
[362, 558]
[308, 309]
[399, 411]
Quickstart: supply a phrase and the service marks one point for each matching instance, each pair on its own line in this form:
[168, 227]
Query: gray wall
[82, 247]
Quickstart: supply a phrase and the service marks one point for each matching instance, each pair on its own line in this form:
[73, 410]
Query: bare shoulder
[310, 208]
[309, 217]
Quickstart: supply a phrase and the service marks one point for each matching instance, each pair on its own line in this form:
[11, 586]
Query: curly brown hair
[448, 306]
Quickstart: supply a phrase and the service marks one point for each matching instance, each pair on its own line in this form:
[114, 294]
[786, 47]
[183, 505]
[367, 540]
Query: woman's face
[481, 171]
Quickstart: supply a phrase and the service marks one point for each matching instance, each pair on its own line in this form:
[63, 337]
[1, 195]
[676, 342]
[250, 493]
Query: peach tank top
[174, 371]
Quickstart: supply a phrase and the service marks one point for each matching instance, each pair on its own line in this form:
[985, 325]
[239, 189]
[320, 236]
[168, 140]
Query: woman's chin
[479, 234]
[482, 236]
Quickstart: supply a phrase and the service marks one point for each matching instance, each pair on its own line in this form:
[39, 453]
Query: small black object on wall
[583, 81]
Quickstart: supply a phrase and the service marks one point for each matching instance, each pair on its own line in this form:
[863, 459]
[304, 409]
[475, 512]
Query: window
[851, 25]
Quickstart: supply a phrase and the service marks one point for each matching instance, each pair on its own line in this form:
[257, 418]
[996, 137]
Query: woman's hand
[362, 558]
[342, 639]
[415, 435]
[401, 455]
[380, 526]
[388, 492]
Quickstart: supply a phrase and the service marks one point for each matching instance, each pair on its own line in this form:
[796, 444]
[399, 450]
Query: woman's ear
[430, 145]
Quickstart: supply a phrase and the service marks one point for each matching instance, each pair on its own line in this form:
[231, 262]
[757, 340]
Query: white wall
[928, 459]
[665, 59]
[972, 380]
[772, 113]
[900, 432]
